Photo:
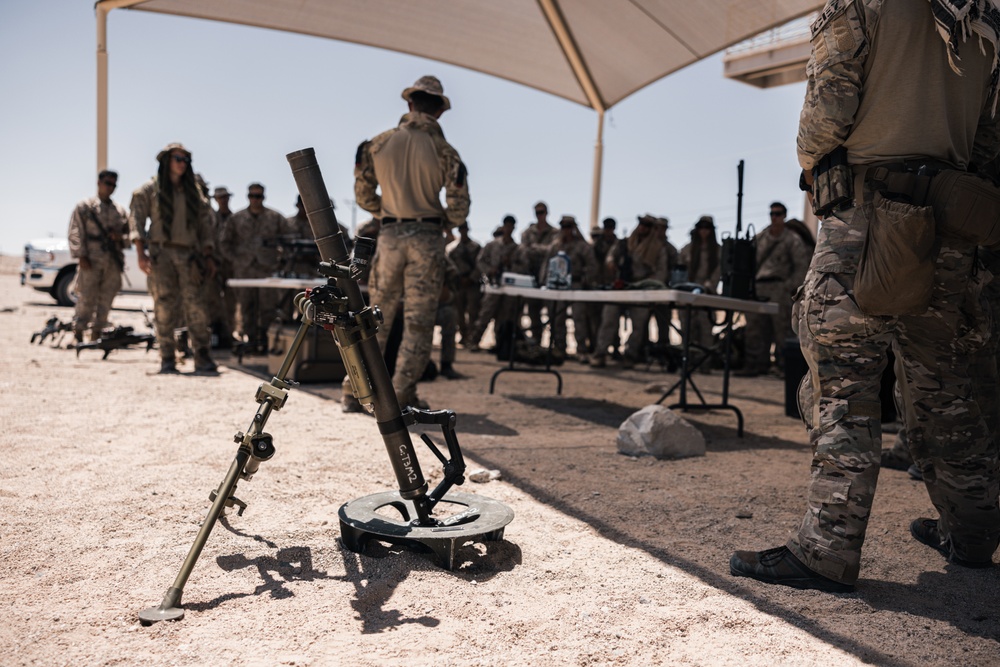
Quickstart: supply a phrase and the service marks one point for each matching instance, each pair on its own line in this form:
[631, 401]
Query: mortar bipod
[255, 447]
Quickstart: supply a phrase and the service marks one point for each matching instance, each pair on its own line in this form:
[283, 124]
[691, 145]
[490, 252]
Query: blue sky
[242, 98]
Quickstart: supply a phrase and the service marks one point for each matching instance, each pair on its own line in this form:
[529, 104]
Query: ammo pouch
[833, 183]
[896, 269]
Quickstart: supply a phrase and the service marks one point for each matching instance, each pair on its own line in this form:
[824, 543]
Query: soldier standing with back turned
[411, 164]
[887, 85]
[98, 233]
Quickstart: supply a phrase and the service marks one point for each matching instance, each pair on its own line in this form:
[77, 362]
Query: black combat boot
[203, 362]
[780, 566]
[448, 371]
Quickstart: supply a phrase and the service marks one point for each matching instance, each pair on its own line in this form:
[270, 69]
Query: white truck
[49, 268]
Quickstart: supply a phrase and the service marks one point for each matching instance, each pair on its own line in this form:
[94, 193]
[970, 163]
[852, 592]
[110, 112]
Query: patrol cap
[430, 85]
[169, 148]
[222, 191]
[648, 219]
[498, 232]
[509, 219]
[567, 221]
[705, 222]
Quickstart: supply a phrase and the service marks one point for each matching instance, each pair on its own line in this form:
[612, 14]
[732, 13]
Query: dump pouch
[966, 206]
[896, 269]
[833, 183]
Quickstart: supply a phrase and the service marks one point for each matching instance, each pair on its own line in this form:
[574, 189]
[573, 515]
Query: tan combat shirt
[195, 234]
[705, 277]
[84, 234]
[783, 257]
[412, 163]
[249, 241]
[883, 109]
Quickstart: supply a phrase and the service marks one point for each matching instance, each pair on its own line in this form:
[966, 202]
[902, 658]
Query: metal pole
[102, 87]
[102, 8]
[595, 194]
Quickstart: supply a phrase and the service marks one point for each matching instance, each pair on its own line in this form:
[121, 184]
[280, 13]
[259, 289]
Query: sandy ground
[609, 560]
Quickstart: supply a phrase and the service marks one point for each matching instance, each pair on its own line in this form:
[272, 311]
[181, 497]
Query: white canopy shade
[593, 52]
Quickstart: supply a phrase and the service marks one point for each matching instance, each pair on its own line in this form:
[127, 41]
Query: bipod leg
[170, 608]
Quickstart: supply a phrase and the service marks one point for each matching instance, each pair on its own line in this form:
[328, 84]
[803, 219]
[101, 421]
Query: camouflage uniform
[411, 163]
[98, 231]
[530, 256]
[845, 348]
[584, 270]
[601, 245]
[782, 262]
[220, 304]
[177, 271]
[250, 241]
[655, 269]
[447, 314]
[468, 292]
[702, 322]
[495, 258]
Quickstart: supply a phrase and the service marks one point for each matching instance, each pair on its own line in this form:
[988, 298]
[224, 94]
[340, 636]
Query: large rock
[657, 431]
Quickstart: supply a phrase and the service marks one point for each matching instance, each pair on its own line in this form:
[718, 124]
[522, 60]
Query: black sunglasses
[254, 196]
[110, 184]
[776, 214]
[181, 158]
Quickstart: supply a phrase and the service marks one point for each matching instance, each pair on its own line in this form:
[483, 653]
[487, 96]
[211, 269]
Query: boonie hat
[221, 191]
[174, 146]
[705, 222]
[430, 85]
[567, 221]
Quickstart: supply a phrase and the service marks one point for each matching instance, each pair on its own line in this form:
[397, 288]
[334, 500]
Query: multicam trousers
[846, 352]
[97, 287]
[175, 281]
[409, 265]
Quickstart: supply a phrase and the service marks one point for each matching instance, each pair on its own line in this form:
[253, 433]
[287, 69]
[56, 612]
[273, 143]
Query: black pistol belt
[909, 181]
[169, 244]
[389, 220]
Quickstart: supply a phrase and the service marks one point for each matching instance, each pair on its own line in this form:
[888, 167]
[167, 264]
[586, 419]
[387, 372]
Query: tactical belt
[393, 221]
[169, 244]
[907, 179]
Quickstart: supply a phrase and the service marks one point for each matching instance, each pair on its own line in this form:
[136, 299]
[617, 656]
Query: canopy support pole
[553, 14]
[102, 8]
[595, 193]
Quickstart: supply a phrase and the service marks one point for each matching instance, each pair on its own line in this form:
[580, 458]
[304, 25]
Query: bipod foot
[169, 609]
[478, 518]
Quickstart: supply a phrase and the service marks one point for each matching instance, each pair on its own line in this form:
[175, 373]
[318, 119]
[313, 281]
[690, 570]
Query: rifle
[339, 307]
[116, 339]
[108, 244]
[52, 327]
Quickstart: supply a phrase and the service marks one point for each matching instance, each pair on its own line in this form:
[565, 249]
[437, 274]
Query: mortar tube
[333, 249]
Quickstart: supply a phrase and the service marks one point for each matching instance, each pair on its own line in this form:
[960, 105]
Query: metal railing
[793, 30]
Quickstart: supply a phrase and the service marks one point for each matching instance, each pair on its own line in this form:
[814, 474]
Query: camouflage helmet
[430, 85]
